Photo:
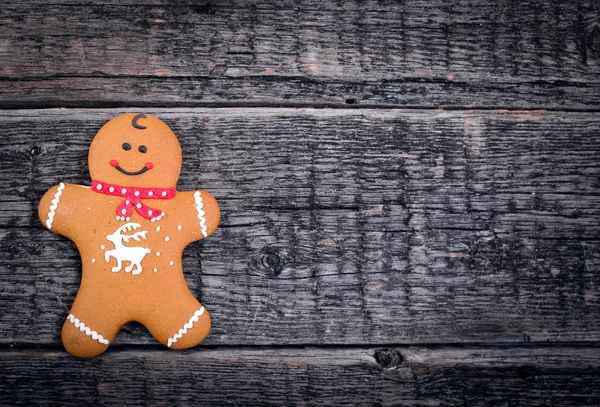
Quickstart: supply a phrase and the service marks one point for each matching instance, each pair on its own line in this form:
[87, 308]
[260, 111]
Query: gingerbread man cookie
[131, 227]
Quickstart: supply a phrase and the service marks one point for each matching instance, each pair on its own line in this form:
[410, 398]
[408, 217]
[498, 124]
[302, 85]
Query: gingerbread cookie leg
[89, 328]
[181, 324]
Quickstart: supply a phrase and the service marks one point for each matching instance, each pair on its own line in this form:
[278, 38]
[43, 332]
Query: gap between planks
[431, 346]
[11, 107]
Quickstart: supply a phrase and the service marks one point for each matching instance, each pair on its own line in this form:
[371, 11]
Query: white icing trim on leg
[199, 206]
[186, 326]
[54, 205]
[81, 326]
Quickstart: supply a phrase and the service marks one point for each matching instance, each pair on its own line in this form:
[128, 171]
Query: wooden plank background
[417, 53]
[327, 376]
[410, 196]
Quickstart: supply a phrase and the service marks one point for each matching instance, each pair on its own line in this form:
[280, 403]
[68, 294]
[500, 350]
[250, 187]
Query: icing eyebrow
[135, 119]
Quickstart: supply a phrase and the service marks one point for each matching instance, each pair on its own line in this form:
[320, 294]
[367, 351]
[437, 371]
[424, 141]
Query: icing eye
[142, 149]
[126, 146]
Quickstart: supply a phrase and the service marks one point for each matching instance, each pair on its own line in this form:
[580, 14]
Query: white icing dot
[150, 193]
[167, 238]
[102, 247]
[136, 193]
[171, 263]
[164, 193]
[118, 218]
[123, 211]
[127, 202]
[153, 220]
[93, 260]
[123, 191]
[179, 227]
[155, 269]
[158, 228]
[138, 205]
[111, 189]
[149, 213]
[157, 253]
[99, 187]
[162, 214]
[128, 219]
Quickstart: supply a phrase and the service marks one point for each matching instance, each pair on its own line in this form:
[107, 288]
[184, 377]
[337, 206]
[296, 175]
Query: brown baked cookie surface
[131, 226]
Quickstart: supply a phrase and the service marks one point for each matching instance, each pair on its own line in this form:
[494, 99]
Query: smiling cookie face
[135, 149]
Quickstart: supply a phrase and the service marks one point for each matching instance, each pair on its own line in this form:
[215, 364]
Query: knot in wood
[269, 262]
[593, 40]
[388, 358]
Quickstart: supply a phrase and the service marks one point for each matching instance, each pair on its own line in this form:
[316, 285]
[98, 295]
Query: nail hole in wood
[527, 372]
[35, 151]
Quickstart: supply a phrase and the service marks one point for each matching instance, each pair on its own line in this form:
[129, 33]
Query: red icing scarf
[133, 199]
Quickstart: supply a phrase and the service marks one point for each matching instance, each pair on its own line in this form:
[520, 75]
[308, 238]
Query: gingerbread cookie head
[135, 149]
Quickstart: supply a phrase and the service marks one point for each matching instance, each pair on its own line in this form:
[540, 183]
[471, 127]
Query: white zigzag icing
[186, 326]
[54, 205]
[81, 326]
[199, 206]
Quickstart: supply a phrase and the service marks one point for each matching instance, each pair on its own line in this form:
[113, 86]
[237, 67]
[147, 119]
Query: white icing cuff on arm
[201, 213]
[54, 205]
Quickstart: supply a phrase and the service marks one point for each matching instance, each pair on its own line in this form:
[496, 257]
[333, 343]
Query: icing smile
[147, 167]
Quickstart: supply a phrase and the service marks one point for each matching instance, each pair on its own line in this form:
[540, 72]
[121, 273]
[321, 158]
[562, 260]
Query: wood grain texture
[410, 376]
[414, 53]
[382, 257]
[341, 226]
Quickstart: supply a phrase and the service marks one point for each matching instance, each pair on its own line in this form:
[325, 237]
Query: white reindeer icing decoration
[121, 253]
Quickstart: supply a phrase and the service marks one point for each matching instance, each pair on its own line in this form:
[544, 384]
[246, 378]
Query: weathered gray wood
[359, 227]
[339, 226]
[416, 53]
[306, 377]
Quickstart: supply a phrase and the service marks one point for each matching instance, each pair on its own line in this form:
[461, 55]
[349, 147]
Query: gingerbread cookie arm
[58, 208]
[197, 213]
